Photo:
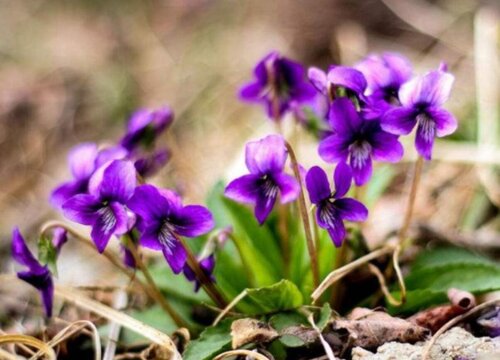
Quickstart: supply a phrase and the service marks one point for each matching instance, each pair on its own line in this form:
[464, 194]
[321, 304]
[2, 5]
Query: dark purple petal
[150, 237]
[266, 155]
[82, 209]
[318, 79]
[150, 164]
[149, 204]
[399, 121]
[446, 123]
[347, 77]
[111, 220]
[334, 148]
[47, 293]
[22, 254]
[361, 165]
[317, 185]
[193, 220]
[342, 179]
[288, 186]
[82, 160]
[42, 281]
[128, 257]
[174, 253]
[351, 209]
[432, 89]
[66, 191]
[386, 147]
[337, 232]
[252, 92]
[343, 117]
[244, 189]
[118, 181]
[424, 138]
[264, 205]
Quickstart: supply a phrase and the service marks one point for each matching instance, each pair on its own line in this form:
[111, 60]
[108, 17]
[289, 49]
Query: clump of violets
[357, 140]
[422, 100]
[332, 207]
[207, 265]
[279, 82]
[265, 159]
[162, 218]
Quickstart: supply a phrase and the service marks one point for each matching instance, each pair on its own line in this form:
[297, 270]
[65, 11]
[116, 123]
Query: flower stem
[154, 292]
[305, 217]
[205, 282]
[411, 200]
[285, 238]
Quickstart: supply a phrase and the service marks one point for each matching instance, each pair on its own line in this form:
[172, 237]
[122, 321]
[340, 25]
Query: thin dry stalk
[311, 247]
[228, 308]
[453, 322]
[324, 343]
[411, 200]
[344, 270]
[121, 318]
[5, 355]
[248, 353]
[119, 302]
[29, 341]
[383, 285]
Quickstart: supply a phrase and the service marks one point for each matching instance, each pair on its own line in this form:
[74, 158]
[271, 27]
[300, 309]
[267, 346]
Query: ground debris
[453, 344]
[245, 331]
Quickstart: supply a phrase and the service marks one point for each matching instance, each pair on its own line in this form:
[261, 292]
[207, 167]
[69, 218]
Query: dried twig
[248, 353]
[30, 341]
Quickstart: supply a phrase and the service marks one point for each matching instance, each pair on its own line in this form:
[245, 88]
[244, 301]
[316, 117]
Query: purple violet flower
[278, 82]
[149, 164]
[422, 99]
[207, 265]
[332, 207]
[144, 127]
[162, 217]
[104, 207]
[59, 238]
[84, 159]
[347, 77]
[265, 159]
[385, 75]
[37, 275]
[357, 140]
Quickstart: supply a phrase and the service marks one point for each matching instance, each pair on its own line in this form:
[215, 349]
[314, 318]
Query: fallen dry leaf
[245, 331]
[371, 328]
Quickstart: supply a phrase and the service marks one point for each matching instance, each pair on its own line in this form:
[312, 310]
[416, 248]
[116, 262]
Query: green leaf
[437, 270]
[325, 315]
[281, 296]
[212, 341]
[380, 181]
[283, 320]
[47, 253]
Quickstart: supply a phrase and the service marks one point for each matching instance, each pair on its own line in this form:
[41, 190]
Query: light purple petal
[82, 209]
[82, 160]
[446, 123]
[317, 185]
[432, 89]
[244, 189]
[334, 148]
[193, 220]
[66, 191]
[148, 203]
[342, 179]
[347, 77]
[22, 254]
[361, 168]
[175, 254]
[400, 66]
[424, 138]
[317, 77]
[263, 206]
[386, 147]
[252, 92]
[118, 181]
[289, 187]
[399, 121]
[351, 209]
[266, 155]
[109, 154]
[59, 238]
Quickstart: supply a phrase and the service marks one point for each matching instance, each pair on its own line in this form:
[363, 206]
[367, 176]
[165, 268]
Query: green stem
[244, 262]
[411, 200]
[305, 217]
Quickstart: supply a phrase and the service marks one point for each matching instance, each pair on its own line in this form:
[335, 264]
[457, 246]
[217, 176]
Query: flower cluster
[365, 108]
[108, 194]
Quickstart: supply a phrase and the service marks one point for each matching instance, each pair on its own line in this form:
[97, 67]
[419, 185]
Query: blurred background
[72, 71]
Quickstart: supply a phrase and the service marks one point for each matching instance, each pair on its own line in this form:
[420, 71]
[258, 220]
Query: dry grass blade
[5, 355]
[123, 319]
[344, 270]
[228, 308]
[30, 341]
[248, 353]
[453, 322]
[326, 346]
[69, 331]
